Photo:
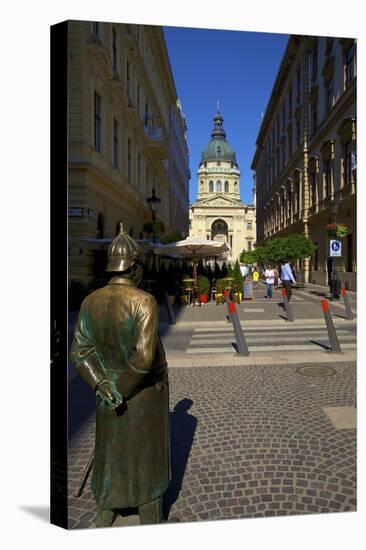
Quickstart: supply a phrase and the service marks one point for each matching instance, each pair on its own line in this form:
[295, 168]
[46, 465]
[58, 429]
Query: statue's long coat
[116, 337]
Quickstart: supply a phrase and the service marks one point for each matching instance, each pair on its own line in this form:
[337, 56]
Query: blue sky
[238, 68]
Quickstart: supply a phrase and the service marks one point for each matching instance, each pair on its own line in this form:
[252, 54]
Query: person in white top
[270, 277]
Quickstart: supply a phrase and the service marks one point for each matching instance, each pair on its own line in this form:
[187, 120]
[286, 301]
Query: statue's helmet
[123, 252]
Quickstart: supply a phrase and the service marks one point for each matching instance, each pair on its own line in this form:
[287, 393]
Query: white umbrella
[194, 248]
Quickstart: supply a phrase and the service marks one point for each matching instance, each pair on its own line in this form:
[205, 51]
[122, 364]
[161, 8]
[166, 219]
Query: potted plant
[337, 229]
[203, 284]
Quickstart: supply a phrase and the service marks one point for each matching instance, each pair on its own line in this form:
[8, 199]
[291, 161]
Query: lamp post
[334, 284]
[153, 203]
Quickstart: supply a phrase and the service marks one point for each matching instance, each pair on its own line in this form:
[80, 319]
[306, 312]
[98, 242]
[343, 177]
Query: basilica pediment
[218, 201]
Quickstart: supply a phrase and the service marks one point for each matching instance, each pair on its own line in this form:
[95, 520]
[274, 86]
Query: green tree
[238, 278]
[276, 251]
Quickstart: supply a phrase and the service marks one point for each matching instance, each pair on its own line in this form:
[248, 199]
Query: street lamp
[154, 203]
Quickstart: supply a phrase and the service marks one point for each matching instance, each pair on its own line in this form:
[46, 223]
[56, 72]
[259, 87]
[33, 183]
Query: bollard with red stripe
[227, 300]
[349, 312]
[333, 339]
[290, 316]
[169, 308]
[239, 335]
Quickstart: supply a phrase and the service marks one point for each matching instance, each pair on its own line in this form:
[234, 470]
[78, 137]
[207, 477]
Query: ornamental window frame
[116, 144]
[97, 122]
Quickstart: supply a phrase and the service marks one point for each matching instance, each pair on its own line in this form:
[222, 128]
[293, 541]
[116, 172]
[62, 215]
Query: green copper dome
[218, 148]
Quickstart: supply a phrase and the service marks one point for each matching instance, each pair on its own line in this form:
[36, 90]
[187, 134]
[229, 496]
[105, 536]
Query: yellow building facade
[218, 213]
[121, 95]
[305, 161]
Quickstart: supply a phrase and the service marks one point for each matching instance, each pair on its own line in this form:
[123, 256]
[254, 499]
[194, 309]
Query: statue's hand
[107, 391]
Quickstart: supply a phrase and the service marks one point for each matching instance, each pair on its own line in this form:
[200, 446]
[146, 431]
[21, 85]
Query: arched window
[210, 187]
[249, 245]
[236, 186]
[218, 187]
[226, 186]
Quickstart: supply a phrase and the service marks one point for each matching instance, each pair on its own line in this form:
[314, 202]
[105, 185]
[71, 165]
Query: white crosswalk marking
[288, 337]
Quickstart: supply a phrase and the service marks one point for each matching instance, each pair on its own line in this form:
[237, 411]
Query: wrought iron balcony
[156, 142]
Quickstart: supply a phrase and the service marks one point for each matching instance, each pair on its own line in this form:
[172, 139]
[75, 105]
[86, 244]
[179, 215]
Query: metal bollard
[349, 313]
[227, 300]
[290, 316]
[239, 335]
[171, 313]
[333, 339]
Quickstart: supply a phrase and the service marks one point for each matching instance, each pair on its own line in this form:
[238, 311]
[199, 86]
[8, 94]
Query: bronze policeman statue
[118, 352]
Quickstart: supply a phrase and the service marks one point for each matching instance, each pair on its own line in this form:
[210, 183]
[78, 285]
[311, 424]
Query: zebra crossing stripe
[303, 347]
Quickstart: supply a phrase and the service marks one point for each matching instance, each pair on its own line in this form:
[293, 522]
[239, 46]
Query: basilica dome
[218, 148]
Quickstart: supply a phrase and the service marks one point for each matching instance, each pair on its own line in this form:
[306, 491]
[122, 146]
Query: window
[226, 186]
[129, 159]
[313, 188]
[290, 144]
[349, 65]
[138, 170]
[328, 178]
[298, 132]
[249, 245]
[210, 187]
[348, 163]
[218, 187]
[96, 28]
[128, 78]
[97, 122]
[314, 116]
[278, 161]
[298, 81]
[114, 49]
[290, 103]
[283, 153]
[218, 163]
[314, 56]
[249, 225]
[329, 94]
[115, 144]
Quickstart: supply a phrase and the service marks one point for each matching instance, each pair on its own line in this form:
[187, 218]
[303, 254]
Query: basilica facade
[218, 213]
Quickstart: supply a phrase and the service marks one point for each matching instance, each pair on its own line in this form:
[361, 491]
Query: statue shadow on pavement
[81, 405]
[182, 429]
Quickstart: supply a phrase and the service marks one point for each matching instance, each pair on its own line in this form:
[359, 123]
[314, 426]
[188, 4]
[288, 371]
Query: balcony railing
[156, 141]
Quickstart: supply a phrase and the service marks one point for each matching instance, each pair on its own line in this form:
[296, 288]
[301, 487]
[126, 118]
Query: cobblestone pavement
[249, 442]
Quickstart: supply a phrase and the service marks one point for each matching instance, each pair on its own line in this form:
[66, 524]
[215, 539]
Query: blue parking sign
[335, 248]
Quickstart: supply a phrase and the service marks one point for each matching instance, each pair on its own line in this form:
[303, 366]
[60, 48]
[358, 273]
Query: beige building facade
[121, 95]
[305, 160]
[218, 213]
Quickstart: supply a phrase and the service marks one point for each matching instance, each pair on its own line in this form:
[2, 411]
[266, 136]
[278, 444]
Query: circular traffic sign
[336, 245]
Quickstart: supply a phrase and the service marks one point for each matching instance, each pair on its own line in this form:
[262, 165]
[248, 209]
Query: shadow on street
[182, 429]
[81, 404]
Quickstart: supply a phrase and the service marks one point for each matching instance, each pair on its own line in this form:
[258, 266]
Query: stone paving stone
[288, 458]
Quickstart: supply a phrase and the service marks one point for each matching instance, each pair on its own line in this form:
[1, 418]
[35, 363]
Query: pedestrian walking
[276, 278]
[255, 279]
[287, 278]
[269, 275]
